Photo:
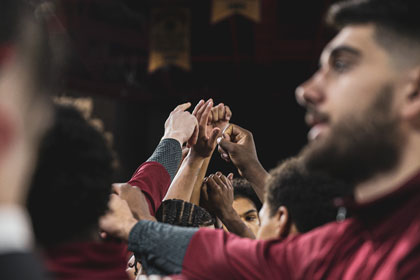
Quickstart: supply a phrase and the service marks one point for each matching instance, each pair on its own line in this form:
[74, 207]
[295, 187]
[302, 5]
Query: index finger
[182, 107]
[197, 107]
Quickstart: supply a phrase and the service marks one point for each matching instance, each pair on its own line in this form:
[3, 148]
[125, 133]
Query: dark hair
[391, 17]
[243, 188]
[72, 181]
[308, 197]
[182, 213]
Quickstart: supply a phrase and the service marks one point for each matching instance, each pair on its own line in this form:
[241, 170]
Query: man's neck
[387, 182]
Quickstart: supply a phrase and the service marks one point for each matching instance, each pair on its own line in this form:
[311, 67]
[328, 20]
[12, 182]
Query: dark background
[252, 67]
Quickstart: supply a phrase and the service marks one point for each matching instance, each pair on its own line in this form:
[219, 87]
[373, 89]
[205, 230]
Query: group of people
[345, 207]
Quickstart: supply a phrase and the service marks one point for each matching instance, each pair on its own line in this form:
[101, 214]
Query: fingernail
[225, 155]
[219, 139]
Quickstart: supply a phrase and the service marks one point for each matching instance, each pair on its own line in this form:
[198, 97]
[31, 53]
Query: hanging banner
[170, 38]
[225, 8]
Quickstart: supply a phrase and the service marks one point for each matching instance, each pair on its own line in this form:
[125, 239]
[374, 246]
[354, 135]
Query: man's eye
[250, 218]
[340, 66]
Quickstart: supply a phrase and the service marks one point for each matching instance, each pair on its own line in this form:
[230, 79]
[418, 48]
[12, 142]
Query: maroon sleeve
[215, 254]
[232, 257]
[153, 179]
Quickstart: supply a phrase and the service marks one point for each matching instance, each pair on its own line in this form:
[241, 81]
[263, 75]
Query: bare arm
[219, 118]
[183, 184]
[237, 145]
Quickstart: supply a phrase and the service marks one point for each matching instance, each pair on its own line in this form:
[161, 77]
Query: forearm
[169, 154]
[234, 224]
[183, 183]
[195, 197]
[162, 247]
[257, 176]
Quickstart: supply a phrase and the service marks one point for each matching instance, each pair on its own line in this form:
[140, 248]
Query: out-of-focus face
[24, 117]
[353, 69]
[248, 212]
[351, 99]
[269, 228]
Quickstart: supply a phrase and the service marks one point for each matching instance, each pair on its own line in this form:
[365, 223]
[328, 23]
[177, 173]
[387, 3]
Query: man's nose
[309, 94]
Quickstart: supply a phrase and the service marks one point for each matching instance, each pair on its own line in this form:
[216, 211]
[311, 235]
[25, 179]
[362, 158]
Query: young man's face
[352, 99]
[248, 212]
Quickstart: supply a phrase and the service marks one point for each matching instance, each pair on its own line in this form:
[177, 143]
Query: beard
[360, 146]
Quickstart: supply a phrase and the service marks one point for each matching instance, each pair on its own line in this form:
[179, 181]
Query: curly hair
[243, 188]
[307, 196]
[72, 181]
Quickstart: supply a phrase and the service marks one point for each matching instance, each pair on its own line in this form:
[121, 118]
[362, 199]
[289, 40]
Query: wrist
[227, 214]
[129, 225]
[180, 137]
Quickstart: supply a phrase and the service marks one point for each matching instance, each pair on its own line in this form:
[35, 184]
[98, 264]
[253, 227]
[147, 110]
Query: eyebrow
[248, 212]
[334, 52]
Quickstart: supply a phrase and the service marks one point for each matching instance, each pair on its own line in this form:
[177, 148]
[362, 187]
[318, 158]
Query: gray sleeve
[169, 154]
[161, 247]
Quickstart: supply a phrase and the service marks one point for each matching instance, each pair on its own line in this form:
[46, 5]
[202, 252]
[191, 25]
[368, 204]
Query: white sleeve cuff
[15, 229]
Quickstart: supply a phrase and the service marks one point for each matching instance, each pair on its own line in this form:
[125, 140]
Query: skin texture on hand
[207, 135]
[217, 197]
[135, 200]
[181, 125]
[237, 145]
[183, 184]
[218, 119]
[118, 221]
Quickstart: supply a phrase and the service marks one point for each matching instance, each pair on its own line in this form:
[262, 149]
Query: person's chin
[318, 131]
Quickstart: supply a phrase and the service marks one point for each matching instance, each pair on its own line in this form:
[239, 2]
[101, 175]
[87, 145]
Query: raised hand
[207, 134]
[217, 196]
[220, 116]
[237, 145]
[181, 125]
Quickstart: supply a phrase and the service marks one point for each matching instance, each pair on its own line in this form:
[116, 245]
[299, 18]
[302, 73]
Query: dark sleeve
[161, 246]
[155, 175]
[21, 266]
[169, 154]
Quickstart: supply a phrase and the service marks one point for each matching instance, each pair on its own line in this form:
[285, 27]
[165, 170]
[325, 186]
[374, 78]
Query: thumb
[226, 145]
[182, 107]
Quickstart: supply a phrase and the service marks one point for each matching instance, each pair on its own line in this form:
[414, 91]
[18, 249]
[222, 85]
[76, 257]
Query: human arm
[219, 118]
[217, 197]
[183, 183]
[237, 145]
[203, 253]
[155, 175]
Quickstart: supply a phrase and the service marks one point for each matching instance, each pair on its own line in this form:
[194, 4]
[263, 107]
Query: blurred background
[136, 60]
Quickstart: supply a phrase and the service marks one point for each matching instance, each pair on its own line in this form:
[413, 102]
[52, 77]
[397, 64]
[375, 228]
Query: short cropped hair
[308, 197]
[72, 181]
[243, 188]
[396, 21]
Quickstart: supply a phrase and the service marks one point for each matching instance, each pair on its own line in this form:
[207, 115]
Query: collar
[382, 205]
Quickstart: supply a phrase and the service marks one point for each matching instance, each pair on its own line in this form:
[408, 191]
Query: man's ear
[283, 221]
[411, 107]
